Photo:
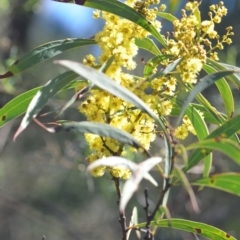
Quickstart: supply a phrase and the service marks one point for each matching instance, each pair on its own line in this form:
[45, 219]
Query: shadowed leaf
[42, 96]
[199, 87]
[45, 52]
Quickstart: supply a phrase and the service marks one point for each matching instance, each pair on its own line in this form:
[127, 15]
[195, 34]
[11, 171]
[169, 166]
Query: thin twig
[148, 235]
[122, 218]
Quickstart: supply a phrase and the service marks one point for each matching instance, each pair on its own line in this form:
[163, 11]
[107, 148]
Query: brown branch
[122, 218]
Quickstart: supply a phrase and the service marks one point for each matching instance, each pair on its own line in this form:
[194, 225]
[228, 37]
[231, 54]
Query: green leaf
[224, 90]
[82, 92]
[153, 63]
[207, 115]
[167, 69]
[226, 146]
[167, 16]
[100, 129]
[199, 87]
[42, 96]
[197, 14]
[107, 84]
[45, 52]
[200, 128]
[234, 78]
[202, 229]
[18, 106]
[227, 130]
[120, 9]
[148, 45]
[228, 182]
[183, 178]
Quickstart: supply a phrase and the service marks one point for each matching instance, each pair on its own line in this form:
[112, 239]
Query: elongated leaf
[148, 45]
[83, 92]
[228, 129]
[202, 132]
[202, 229]
[43, 95]
[208, 117]
[120, 9]
[18, 106]
[200, 86]
[180, 174]
[167, 16]
[100, 129]
[224, 90]
[234, 78]
[223, 145]
[131, 185]
[167, 70]
[105, 83]
[119, 161]
[154, 62]
[200, 128]
[228, 182]
[45, 52]
[133, 222]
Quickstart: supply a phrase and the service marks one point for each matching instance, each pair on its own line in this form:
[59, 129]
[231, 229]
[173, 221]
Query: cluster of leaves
[224, 138]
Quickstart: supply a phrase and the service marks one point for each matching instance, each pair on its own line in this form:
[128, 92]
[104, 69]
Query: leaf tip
[18, 132]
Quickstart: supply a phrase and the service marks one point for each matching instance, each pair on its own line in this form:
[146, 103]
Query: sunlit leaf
[167, 16]
[45, 52]
[83, 92]
[226, 146]
[148, 45]
[105, 83]
[42, 96]
[228, 182]
[131, 185]
[201, 229]
[167, 69]
[153, 63]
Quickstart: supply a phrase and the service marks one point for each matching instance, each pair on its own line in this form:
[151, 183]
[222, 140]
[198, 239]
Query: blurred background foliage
[43, 185]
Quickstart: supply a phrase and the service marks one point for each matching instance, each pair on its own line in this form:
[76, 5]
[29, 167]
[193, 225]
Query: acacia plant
[125, 113]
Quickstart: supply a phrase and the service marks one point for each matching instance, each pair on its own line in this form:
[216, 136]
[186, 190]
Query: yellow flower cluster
[190, 39]
[117, 38]
[181, 132]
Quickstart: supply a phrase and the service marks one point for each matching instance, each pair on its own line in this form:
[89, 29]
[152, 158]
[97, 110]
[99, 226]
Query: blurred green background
[44, 191]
